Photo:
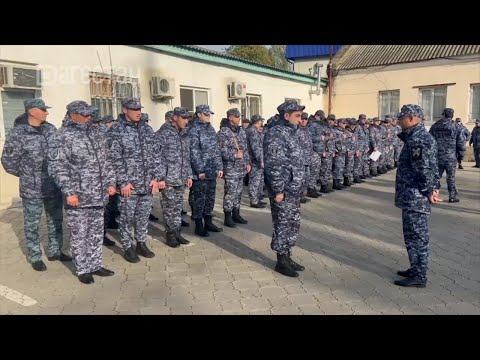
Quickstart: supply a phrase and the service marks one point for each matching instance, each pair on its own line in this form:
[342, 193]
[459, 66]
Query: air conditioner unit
[162, 88]
[238, 90]
[20, 77]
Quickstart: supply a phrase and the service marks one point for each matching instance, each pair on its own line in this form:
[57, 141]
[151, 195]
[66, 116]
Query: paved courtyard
[350, 243]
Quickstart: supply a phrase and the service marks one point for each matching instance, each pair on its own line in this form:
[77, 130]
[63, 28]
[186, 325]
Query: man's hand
[249, 167]
[324, 155]
[162, 185]
[189, 183]
[239, 154]
[201, 176]
[220, 174]
[153, 186]
[111, 190]
[126, 191]
[72, 200]
[435, 197]
[279, 197]
[358, 153]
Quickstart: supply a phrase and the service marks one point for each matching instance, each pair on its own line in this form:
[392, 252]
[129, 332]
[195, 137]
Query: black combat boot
[103, 272]
[304, 200]
[152, 217]
[296, 266]
[62, 257]
[200, 230]
[86, 278]
[180, 238]
[185, 224]
[39, 266]
[172, 240]
[324, 189]
[237, 218]
[411, 282]
[131, 256]
[312, 193]
[357, 180]
[346, 181]
[454, 200]
[228, 219]
[108, 242]
[405, 273]
[262, 203]
[336, 184]
[143, 250]
[210, 226]
[257, 206]
[284, 266]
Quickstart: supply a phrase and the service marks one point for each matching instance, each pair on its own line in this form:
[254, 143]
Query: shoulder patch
[417, 153]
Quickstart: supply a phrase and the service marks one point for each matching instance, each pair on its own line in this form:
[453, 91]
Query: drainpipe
[330, 81]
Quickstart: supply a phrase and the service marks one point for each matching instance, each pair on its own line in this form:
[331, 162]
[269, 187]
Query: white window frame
[245, 103]
[392, 112]
[209, 99]
[106, 88]
[429, 120]
[471, 115]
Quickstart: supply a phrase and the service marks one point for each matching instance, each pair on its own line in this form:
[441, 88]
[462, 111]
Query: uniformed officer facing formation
[136, 160]
[284, 173]
[416, 187]
[25, 156]
[175, 157]
[236, 163]
[475, 141]
[78, 163]
[450, 141]
[207, 165]
[255, 151]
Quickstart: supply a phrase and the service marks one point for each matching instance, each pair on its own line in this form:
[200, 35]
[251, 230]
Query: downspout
[330, 81]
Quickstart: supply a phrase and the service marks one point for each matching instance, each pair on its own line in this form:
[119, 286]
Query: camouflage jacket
[284, 165]
[255, 146]
[175, 155]
[318, 136]
[135, 154]
[375, 138]
[306, 144]
[25, 156]
[361, 134]
[229, 137]
[450, 139]
[78, 162]
[204, 150]
[417, 173]
[475, 138]
[340, 140]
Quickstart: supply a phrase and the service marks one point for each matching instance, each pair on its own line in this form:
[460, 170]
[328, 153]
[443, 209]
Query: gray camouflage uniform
[255, 152]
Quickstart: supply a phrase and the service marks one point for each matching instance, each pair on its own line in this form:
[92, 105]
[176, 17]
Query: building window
[474, 103]
[251, 105]
[191, 98]
[389, 102]
[433, 101]
[107, 93]
[12, 106]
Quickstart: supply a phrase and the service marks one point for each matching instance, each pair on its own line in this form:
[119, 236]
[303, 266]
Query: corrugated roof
[363, 56]
[303, 51]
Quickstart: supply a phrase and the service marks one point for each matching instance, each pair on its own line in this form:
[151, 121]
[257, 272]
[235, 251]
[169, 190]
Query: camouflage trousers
[366, 164]
[32, 213]
[397, 149]
[134, 212]
[326, 168]
[305, 179]
[390, 158]
[255, 183]
[381, 160]
[232, 193]
[349, 165]
[86, 238]
[450, 168]
[358, 165]
[286, 223]
[111, 210]
[315, 165]
[417, 237]
[476, 152]
[338, 166]
[202, 197]
[171, 200]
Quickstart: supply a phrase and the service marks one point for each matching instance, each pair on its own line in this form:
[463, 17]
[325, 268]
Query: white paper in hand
[375, 155]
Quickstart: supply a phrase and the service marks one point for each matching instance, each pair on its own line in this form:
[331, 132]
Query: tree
[257, 53]
[277, 55]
